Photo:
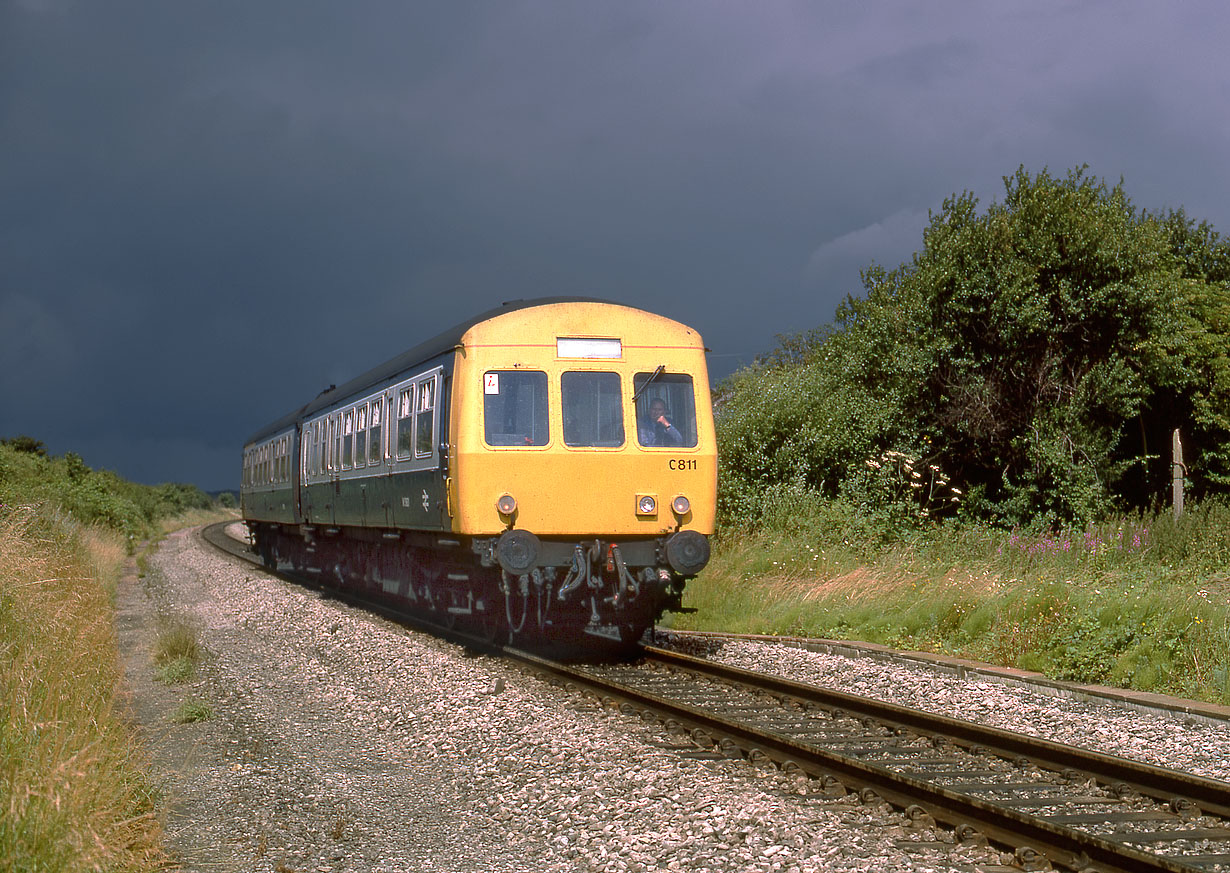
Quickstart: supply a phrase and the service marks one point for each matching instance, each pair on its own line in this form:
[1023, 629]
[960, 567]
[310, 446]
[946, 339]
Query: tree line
[1027, 366]
[29, 473]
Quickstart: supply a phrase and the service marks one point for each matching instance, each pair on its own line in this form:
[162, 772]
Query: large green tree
[1040, 353]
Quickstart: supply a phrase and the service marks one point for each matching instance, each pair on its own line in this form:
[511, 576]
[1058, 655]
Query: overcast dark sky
[211, 210]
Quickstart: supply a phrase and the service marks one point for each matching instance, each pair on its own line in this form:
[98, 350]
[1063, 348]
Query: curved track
[1049, 803]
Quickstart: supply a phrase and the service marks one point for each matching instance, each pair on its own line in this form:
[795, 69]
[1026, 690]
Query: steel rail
[1161, 783]
[1034, 838]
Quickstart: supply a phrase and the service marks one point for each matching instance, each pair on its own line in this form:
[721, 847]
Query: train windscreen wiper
[645, 384]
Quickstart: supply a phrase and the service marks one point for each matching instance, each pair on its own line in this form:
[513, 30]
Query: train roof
[408, 359]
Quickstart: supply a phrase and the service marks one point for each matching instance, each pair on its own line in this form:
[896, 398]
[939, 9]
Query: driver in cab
[658, 430]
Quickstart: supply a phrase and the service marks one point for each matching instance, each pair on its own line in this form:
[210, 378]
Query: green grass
[1137, 602]
[176, 653]
[192, 711]
[73, 796]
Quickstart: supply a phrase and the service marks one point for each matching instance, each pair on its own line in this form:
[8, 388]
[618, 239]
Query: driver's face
[657, 410]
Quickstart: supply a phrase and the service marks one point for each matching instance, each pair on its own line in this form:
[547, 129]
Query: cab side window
[515, 408]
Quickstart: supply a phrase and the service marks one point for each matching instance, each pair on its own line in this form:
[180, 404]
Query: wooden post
[1178, 472]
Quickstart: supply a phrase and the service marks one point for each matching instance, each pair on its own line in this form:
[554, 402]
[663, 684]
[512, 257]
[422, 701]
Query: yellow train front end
[582, 461]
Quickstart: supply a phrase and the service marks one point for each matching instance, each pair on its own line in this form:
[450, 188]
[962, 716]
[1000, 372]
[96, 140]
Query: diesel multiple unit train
[544, 471]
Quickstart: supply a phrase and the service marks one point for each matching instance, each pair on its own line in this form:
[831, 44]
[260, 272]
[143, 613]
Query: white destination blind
[588, 347]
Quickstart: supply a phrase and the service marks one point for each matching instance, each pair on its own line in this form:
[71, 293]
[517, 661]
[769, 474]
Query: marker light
[506, 505]
[681, 505]
[646, 505]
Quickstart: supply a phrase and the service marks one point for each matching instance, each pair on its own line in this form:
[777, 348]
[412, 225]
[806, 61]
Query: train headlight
[646, 504]
[506, 505]
[681, 505]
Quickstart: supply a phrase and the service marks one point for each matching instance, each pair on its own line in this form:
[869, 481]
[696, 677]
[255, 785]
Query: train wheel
[453, 600]
[491, 628]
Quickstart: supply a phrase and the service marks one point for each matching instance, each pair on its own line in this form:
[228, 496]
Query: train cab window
[405, 418]
[665, 396]
[425, 419]
[347, 438]
[592, 409]
[360, 435]
[515, 408]
[374, 446]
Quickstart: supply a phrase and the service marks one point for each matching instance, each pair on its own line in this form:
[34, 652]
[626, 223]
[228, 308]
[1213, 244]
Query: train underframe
[515, 587]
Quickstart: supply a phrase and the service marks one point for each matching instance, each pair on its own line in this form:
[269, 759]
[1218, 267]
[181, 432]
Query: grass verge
[73, 795]
[1138, 602]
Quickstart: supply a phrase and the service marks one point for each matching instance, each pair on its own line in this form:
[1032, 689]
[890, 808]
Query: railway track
[1050, 805]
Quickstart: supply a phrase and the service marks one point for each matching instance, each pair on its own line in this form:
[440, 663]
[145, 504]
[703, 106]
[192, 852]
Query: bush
[1038, 354]
[28, 474]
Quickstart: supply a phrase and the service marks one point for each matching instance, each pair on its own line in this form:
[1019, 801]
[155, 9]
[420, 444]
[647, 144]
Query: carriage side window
[347, 438]
[375, 446]
[360, 435]
[664, 399]
[425, 419]
[515, 408]
[335, 428]
[592, 409]
[405, 417]
[315, 441]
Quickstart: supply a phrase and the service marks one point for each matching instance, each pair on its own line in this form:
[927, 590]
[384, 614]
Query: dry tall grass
[72, 796]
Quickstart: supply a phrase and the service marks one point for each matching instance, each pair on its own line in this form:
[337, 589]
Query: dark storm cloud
[210, 211]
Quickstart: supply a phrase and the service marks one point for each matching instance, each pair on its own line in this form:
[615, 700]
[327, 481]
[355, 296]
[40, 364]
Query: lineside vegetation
[73, 795]
[974, 457]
